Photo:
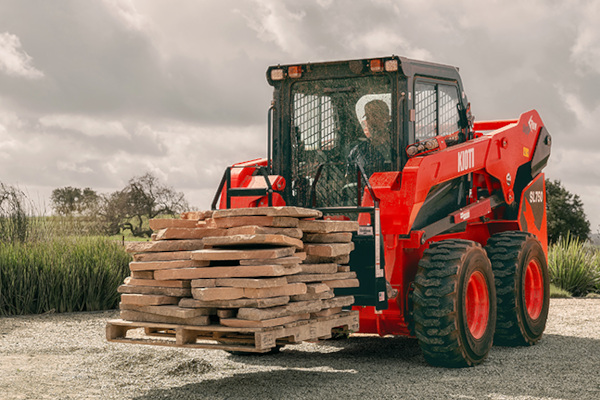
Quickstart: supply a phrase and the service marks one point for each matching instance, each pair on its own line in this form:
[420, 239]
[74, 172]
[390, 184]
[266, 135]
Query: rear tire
[454, 304]
[522, 287]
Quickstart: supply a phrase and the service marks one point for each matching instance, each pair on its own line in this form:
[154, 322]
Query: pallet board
[244, 339]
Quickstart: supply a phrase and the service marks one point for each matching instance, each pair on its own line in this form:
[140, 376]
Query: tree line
[143, 198]
[146, 197]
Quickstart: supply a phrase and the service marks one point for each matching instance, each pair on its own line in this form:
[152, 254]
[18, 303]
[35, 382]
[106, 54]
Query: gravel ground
[66, 356]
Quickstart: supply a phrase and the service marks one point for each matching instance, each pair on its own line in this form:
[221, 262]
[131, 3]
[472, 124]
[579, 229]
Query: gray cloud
[92, 93]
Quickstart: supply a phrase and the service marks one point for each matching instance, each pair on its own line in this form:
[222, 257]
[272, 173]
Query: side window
[435, 110]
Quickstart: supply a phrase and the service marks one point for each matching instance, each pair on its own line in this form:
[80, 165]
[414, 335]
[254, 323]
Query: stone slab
[344, 268]
[157, 224]
[326, 313]
[299, 307]
[321, 277]
[318, 287]
[217, 293]
[339, 301]
[335, 237]
[313, 296]
[251, 282]
[239, 303]
[284, 211]
[243, 323]
[187, 233]
[162, 256]
[209, 282]
[196, 215]
[228, 254]
[170, 310]
[147, 299]
[266, 230]
[163, 291]
[286, 290]
[253, 240]
[327, 226]
[291, 260]
[342, 283]
[142, 274]
[328, 249]
[328, 268]
[337, 260]
[227, 272]
[130, 315]
[160, 265]
[157, 283]
[231, 222]
[164, 245]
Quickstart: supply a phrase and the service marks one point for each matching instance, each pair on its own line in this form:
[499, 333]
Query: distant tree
[15, 223]
[70, 201]
[144, 198]
[565, 213]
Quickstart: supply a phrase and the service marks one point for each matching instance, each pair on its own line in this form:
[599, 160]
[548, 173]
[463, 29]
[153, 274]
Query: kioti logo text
[466, 159]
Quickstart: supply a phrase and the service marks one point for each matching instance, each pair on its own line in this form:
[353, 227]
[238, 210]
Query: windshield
[337, 124]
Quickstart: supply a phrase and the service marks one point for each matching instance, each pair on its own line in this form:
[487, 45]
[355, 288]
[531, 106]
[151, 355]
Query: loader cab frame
[318, 121]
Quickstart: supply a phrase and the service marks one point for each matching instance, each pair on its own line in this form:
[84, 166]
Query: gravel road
[66, 356]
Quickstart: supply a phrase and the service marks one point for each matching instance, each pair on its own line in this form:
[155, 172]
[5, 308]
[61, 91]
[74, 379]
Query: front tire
[522, 287]
[454, 304]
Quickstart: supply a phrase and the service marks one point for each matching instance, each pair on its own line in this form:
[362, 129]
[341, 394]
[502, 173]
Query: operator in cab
[374, 151]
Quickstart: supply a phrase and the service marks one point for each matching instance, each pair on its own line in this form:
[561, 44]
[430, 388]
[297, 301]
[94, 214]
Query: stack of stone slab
[327, 244]
[144, 295]
[247, 268]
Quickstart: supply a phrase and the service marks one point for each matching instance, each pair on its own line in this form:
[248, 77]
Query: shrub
[558, 293]
[573, 266]
[61, 274]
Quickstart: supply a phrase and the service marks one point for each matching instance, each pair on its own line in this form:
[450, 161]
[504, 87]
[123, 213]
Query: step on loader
[452, 241]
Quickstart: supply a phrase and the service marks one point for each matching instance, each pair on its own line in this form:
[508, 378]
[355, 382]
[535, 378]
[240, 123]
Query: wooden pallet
[255, 340]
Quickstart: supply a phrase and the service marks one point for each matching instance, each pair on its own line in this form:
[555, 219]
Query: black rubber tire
[510, 253]
[439, 311]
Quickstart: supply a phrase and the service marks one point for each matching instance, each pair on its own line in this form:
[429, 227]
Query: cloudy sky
[93, 93]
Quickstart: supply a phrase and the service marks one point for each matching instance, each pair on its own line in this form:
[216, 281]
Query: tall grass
[574, 266]
[61, 274]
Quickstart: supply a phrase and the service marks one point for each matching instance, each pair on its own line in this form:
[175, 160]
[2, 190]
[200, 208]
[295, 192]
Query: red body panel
[242, 177]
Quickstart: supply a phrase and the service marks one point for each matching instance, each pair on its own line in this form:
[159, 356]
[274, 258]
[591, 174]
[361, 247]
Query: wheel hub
[534, 289]
[477, 304]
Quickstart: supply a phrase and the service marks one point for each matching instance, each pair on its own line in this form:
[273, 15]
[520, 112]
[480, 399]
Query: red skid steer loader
[452, 243]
